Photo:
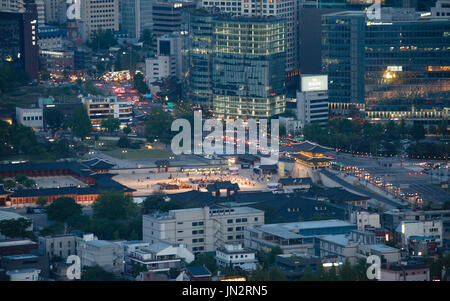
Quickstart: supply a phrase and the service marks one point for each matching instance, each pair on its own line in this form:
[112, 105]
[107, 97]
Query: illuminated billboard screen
[314, 83]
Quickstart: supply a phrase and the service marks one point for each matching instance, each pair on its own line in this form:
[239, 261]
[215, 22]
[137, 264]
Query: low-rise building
[364, 218]
[295, 237]
[24, 275]
[234, 255]
[159, 257]
[294, 266]
[57, 62]
[51, 37]
[431, 229]
[103, 253]
[201, 229]
[386, 253]
[198, 273]
[58, 245]
[404, 272]
[100, 108]
[340, 246]
[16, 247]
[32, 117]
[26, 262]
[295, 184]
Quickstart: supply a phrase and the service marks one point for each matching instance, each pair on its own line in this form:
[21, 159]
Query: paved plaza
[146, 184]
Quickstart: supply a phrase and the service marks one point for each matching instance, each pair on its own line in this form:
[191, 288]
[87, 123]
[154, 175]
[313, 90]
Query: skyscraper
[237, 64]
[18, 40]
[100, 14]
[401, 58]
[286, 9]
[136, 16]
[249, 58]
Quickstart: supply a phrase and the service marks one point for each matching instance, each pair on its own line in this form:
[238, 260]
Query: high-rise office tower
[18, 40]
[249, 56]
[286, 9]
[170, 16]
[200, 58]
[100, 14]
[237, 64]
[402, 57]
[135, 16]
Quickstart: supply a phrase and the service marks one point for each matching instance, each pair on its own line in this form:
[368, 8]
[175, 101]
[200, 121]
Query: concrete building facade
[201, 229]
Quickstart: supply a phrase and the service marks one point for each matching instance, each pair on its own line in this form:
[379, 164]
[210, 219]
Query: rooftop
[340, 239]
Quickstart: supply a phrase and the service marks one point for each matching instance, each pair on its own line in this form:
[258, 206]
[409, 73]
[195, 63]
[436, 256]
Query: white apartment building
[340, 246]
[58, 245]
[30, 117]
[364, 218]
[312, 100]
[103, 253]
[100, 108]
[234, 255]
[160, 256]
[174, 45]
[282, 8]
[429, 229]
[102, 14]
[159, 68]
[201, 229]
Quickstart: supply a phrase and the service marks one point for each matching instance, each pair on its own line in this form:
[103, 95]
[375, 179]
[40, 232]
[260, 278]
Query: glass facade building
[402, 59]
[200, 58]
[248, 67]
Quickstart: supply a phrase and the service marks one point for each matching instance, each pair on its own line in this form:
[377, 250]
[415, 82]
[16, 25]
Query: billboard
[314, 83]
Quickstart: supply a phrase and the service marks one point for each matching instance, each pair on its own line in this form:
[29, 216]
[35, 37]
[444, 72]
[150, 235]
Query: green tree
[443, 127]
[96, 273]
[102, 39]
[273, 254]
[20, 178]
[275, 274]
[139, 83]
[417, 131]
[13, 228]
[62, 209]
[45, 76]
[111, 124]
[158, 127]
[10, 184]
[137, 269]
[115, 205]
[205, 259]
[80, 123]
[259, 274]
[309, 275]
[157, 202]
[53, 118]
[126, 130]
[91, 89]
[146, 38]
[29, 183]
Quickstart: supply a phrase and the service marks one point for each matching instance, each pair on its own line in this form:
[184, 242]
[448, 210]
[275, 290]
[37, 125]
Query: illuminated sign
[314, 83]
[394, 68]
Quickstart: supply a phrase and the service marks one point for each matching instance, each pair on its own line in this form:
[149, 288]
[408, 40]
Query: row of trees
[362, 136]
[19, 181]
[115, 216]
